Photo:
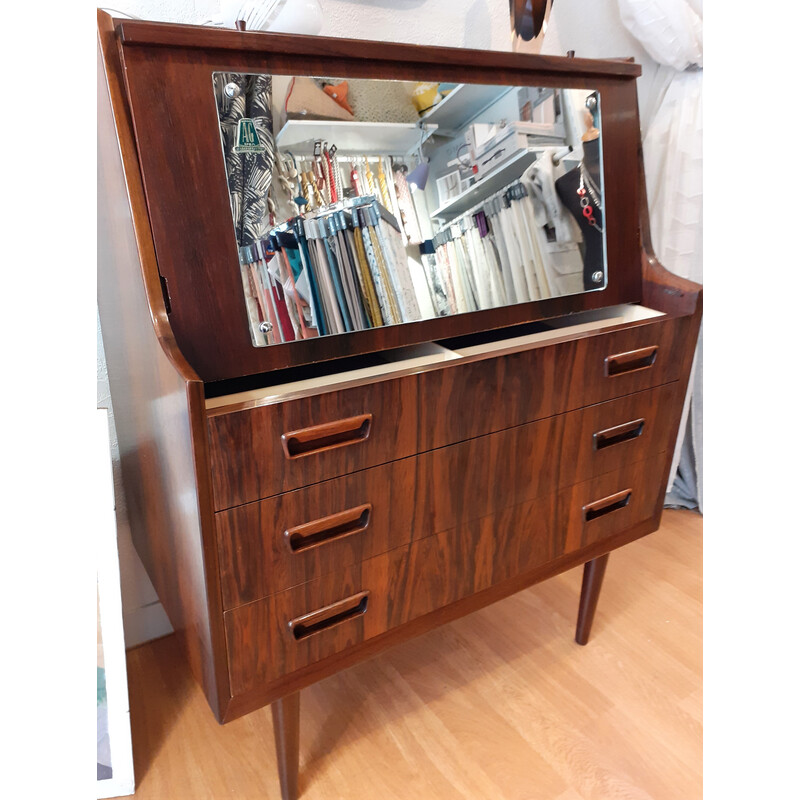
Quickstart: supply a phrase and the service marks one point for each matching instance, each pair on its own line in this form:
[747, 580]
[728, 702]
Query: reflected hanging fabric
[247, 97]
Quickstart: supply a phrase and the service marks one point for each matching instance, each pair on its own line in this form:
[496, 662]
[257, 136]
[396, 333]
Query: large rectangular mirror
[363, 203]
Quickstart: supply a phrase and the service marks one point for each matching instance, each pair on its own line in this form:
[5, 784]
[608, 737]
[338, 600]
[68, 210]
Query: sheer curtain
[671, 31]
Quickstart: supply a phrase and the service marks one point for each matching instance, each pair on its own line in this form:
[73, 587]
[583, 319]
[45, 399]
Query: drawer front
[605, 437]
[277, 635]
[263, 451]
[619, 363]
[602, 507]
[482, 476]
[461, 401]
[298, 536]
[289, 630]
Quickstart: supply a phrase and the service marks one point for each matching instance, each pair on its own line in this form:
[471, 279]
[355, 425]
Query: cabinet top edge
[168, 34]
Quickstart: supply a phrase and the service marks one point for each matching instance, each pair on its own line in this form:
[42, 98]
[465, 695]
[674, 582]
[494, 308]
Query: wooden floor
[500, 705]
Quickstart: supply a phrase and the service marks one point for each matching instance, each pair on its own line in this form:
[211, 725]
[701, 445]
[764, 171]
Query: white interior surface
[574, 323]
[361, 138]
[484, 187]
[420, 355]
[423, 355]
[466, 101]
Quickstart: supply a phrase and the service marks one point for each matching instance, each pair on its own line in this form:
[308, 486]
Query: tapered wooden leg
[593, 572]
[286, 724]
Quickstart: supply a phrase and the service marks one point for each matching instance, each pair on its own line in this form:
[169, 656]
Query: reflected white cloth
[505, 265]
[515, 257]
[672, 33]
[498, 288]
[480, 275]
[526, 249]
[540, 180]
[561, 259]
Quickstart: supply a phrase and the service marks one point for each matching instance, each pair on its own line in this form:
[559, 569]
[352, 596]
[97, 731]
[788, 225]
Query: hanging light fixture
[418, 176]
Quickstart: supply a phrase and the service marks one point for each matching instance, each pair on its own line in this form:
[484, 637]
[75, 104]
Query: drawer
[604, 506]
[473, 479]
[615, 364]
[461, 401]
[606, 436]
[298, 536]
[277, 543]
[277, 635]
[289, 630]
[263, 451]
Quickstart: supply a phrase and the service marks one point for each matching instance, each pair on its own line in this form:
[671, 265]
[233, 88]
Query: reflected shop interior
[363, 203]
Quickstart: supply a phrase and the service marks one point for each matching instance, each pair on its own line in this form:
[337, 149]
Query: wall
[590, 27]
[593, 29]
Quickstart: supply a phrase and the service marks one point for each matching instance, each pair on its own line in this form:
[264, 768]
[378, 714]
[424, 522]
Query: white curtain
[671, 31]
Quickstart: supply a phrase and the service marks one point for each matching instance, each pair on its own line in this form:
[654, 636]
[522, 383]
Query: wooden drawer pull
[632, 361]
[335, 526]
[327, 436]
[325, 618]
[618, 434]
[607, 505]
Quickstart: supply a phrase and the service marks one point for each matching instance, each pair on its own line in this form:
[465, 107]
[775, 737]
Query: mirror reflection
[363, 203]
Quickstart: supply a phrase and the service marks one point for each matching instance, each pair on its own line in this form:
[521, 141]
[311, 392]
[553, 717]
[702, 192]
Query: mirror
[363, 203]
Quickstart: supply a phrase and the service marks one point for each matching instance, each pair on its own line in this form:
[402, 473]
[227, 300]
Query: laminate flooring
[499, 705]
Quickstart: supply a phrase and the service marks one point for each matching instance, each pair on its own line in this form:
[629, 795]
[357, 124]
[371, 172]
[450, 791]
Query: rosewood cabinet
[301, 507]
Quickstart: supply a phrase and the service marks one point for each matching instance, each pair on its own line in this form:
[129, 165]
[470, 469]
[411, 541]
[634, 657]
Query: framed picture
[114, 753]
[448, 186]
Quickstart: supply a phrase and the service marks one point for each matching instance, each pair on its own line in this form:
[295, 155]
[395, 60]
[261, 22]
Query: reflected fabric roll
[408, 213]
[389, 310]
[249, 174]
[368, 292]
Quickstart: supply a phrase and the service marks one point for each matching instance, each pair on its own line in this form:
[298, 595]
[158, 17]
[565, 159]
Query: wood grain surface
[592, 382]
[169, 86]
[266, 43]
[506, 515]
[640, 480]
[442, 489]
[158, 399]
[460, 401]
[500, 704]
[403, 584]
[255, 560]
[658, 410]
[438, 407]
[436, 571]
[248, 461]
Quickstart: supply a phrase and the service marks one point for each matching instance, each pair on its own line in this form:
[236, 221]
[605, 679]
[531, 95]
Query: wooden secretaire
[386, 339]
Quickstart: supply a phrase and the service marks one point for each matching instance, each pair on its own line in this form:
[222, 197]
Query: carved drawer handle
[618, 434]
[632, 361]
[327, 529]
[325, 618]
[607, 505]
[327, 436]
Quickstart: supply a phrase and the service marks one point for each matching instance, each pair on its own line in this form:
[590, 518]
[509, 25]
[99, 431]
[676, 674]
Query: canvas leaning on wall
[114, 753]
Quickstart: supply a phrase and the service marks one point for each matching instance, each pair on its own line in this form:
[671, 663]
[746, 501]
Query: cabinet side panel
[155, 396]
